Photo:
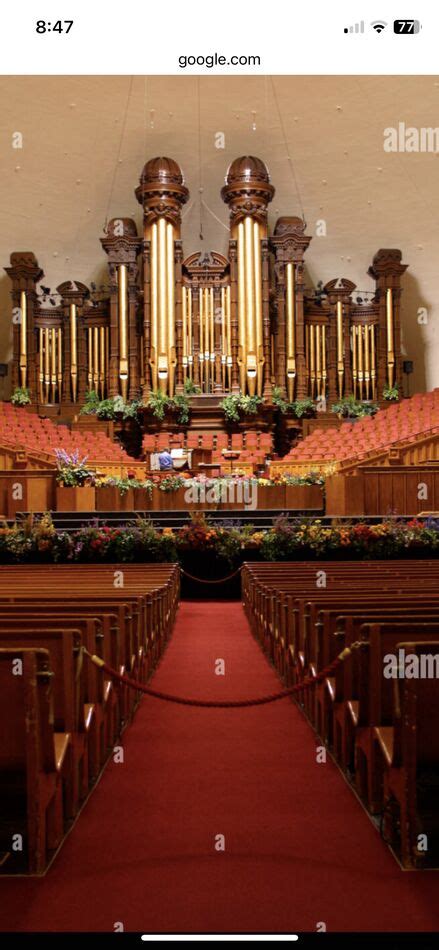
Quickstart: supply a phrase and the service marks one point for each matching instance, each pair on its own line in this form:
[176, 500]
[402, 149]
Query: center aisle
[299, 850]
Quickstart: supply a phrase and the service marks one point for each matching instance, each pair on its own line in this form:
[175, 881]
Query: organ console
[244, 322]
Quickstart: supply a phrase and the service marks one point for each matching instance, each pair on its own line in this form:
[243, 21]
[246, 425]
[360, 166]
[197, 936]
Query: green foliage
[20, 396]
[190, 388]
[236, 405]
[110, 409]
[72, 470]
[303, 407]
[298, 408]
[351, 408]
[391, 393]
[159, 404]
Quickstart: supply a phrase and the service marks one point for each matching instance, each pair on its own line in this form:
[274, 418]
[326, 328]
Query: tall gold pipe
[53, 364]
[73, 352]
[154, 307]
[201, 334]
[229, 337]
[184, 328]
[41, 355]
[206, 338]
[23, 338]
[123, 330]
[212, 335]
[90, 357]
[257, 287]
[170, 308]
[96, 358]
[366, 361]
[340, 361]
[318, 360]
[163, 365]
[390, 347]
[59, 363]
[354, 359]
[360, 359]
[323, 360]
[242, 334]
[102, 360]
[312, 359]
[372, 360]
[291, 329]
[46, 364]
[190, 355]
[251, 362]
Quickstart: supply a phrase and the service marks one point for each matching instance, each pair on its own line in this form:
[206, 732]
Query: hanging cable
[287, 151]
[122, 133]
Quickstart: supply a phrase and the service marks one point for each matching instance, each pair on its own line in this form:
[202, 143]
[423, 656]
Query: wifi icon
[378, 25]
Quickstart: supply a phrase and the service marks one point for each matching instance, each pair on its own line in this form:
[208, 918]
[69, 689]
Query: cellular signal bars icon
[356, 28]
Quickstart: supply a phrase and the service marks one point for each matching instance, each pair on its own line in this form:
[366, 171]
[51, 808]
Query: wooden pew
[34, 762]
[410, 753]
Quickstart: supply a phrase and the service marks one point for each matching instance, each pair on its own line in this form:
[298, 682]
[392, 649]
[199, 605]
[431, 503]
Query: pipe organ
[239, 322]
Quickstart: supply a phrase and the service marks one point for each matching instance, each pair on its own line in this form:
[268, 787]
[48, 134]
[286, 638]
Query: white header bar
[264, 36]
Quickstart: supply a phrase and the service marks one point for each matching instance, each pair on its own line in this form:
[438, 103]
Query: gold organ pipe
[201, 338]
[46, 364]
[163, 367]
[323, 360]
[189, 332]
[354, 359]
[102, 360]
[53, 363]
[312, 358]
[242, 337]
[291, 329]
[360, 359]
[90, 357]
[340, 361]
[170, 307]
[223, 338]
[390, 348]
[257, 287]
[366, 361]
[73, 352]
[154, 306]
[206, 338]
[184, 327]
[212, 335]
[318, 359]
[251, 362]
[59, 334]
[23, 338]
[41, 355]
[372, 360]
[96, 358]
[123, 331]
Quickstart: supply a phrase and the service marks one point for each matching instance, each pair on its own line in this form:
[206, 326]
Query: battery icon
[406, 27]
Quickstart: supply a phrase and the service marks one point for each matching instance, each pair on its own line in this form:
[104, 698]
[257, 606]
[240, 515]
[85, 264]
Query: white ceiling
[85, 140]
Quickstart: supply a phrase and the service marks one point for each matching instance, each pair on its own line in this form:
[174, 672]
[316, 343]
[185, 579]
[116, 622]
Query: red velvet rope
[220, 704]
[202, 580]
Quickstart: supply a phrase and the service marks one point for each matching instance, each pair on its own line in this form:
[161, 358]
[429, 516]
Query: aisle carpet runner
[299, 851]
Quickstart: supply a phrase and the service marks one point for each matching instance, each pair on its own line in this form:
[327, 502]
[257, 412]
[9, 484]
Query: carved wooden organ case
[241, 323]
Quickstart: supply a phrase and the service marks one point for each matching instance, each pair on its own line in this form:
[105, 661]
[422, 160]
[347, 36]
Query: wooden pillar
[387, 270]
[122, 245]
[25, 273]
[289, 245]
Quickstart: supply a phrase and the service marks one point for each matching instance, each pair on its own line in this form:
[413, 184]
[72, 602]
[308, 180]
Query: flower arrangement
[299, 408]
[33, 539]
[391, 393]
[110, 409]
[20, 396]
[159, 404]
[123, 484]
[72, 470]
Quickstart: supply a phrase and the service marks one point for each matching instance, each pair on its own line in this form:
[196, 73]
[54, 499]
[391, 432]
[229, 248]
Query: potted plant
[21, 396]
[391, 393]
[75, 489]
[270, 493]
[171, 494]
[351, 408]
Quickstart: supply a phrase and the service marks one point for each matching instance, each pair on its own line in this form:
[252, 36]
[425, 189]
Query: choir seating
[303, 625]
[254, 446]
[402, 424]
[49, 613]
[27, 430]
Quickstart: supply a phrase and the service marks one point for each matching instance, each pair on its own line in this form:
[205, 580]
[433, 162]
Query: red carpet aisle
[298, 847]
